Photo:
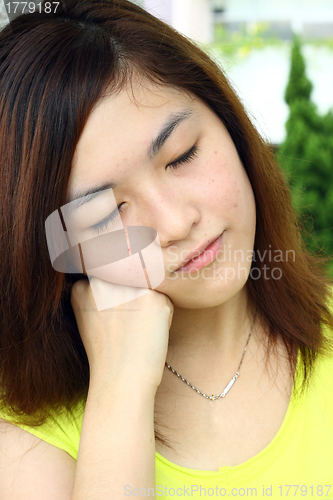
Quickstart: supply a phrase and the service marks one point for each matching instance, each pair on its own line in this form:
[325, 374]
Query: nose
[171, 213]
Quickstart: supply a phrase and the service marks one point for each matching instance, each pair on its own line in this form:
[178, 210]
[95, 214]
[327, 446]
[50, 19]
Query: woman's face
[186, 182]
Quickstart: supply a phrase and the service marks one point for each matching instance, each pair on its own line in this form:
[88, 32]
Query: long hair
[54, 69]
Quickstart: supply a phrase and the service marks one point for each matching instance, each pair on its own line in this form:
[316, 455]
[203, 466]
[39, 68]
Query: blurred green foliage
[242, 41]
[306, 155]
[252, 36]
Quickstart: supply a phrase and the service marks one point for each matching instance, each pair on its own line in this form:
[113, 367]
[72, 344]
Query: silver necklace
[232, 381]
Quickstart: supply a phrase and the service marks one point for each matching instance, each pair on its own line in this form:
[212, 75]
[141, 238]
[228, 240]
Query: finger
[108, 295]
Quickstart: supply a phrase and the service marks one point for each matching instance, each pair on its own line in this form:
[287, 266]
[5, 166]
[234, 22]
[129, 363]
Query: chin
[199, 293]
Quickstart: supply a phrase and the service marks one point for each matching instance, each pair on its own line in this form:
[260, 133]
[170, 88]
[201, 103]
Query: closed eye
[101, 226]
[187, 157]
[190, 155]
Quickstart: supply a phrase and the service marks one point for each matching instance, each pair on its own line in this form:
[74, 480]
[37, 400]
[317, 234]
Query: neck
[207, 341]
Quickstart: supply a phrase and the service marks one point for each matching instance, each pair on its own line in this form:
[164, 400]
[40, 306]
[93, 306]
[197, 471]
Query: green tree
[307, 157]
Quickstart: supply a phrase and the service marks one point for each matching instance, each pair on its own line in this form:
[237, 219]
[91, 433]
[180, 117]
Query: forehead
[141, 103]
[121, 127]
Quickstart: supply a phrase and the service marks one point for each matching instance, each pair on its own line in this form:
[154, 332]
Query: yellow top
[297, 463]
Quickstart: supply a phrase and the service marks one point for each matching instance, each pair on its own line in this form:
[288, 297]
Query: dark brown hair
[54, 68]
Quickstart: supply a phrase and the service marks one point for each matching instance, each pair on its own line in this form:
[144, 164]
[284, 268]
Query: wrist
[122, 383]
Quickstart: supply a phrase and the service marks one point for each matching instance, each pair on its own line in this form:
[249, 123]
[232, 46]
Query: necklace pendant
[232, 381]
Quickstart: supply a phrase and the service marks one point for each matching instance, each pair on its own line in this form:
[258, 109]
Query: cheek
[242, 207]
[229, 192]
[219, 187]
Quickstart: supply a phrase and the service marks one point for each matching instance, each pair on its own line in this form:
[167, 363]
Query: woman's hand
[131, 338]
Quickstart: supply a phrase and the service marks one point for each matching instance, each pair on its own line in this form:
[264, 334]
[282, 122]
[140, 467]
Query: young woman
[100, 103]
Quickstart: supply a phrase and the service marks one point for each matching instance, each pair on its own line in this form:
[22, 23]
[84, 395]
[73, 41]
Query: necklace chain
[232, 381]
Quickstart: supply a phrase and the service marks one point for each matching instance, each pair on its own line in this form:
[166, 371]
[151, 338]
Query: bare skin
[207, 435]
[200, 325]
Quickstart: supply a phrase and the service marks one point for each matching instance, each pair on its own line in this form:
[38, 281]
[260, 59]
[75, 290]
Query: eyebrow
[173, 121]
[83, 196]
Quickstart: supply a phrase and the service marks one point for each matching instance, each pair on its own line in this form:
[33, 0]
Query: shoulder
[62, 429]
[32, 468]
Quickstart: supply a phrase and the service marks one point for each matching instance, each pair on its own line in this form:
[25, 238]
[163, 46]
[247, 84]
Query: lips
[198, 251]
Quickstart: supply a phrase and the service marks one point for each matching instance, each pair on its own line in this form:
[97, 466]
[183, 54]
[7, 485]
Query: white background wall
[281, 9]
[260, 80]
[192, 18]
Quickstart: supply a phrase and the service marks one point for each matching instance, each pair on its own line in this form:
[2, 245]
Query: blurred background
[278, 56]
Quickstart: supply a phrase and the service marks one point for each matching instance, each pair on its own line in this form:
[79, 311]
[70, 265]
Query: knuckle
[158, 300]
[79, 289]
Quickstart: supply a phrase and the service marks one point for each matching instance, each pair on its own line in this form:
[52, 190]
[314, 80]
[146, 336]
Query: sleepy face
[158, 157]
